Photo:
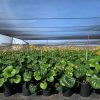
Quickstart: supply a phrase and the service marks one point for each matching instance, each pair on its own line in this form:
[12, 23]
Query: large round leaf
[37, 75]
[67, 81]
[50, 79]
[90, 72]
[9, 72]
[95, 82]
[80, 72]
[43, 85]
[27, 76]
[17, 79]
[8, 69]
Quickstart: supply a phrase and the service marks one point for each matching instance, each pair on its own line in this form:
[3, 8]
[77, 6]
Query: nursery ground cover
[53, 97]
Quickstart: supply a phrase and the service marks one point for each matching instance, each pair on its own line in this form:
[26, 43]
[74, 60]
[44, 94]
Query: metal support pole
[87, 47]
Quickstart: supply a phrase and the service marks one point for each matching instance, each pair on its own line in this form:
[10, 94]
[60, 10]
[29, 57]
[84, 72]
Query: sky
[19, 15]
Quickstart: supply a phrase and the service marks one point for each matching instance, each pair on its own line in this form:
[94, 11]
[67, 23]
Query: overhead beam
[60, 38]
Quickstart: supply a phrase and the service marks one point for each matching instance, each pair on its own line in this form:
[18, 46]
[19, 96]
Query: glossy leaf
[43, 85]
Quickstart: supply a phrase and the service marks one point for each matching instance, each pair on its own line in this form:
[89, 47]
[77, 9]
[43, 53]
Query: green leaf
[95, 82]
[92, 60]
[10, 72]
[52, 73]
[17, 70]
[17, 79]
[8, 69]
[1, 81]
[97, 67]
[38, 78]
[13, 72]
[37, 75]
[58, 87]
[43, 85]
[69, 71]
[67, 81]
[80, 72]
[70, 64]
[32, 88]
[50, 79]
[61, 82]
[63, 62]
[90, 72]
[27, 76]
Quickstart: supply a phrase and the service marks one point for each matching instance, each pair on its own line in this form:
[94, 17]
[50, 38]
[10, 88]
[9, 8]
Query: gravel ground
[52, 97]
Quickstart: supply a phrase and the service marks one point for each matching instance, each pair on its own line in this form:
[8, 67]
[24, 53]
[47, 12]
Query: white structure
[6, 40]
[18, 41]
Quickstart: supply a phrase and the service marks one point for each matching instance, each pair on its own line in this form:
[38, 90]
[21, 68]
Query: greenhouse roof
[50, 19]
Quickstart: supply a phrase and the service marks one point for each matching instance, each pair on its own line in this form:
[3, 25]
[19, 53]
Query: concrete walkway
[52, 97]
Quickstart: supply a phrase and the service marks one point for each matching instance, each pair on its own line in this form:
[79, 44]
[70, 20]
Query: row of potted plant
[36, 71]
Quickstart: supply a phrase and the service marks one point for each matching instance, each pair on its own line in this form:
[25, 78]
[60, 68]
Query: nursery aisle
[52, 97]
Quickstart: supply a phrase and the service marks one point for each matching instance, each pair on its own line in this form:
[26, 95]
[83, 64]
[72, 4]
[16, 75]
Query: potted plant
[81, 73]
[32, 88]
[10, 75]
[42, 81]
[37, 79]
[45, 88]
[50, 78]
[94, 78]
[15, 81]
[95, 83]
[67, 80]
[44, 75]
[68, 83]
[27, 76]
[59, 87]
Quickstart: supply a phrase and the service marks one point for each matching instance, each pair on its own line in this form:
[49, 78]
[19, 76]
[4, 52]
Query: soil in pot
[85, 90]
[47, 92]
[67, 92]
[25, 90]
[7, 90]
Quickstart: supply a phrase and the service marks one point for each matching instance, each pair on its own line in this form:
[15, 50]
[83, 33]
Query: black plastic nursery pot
[25, 90]
[53, 89]
[97, 91]
[76, 90]
[1, 89]
[85, 90]
[38, 91]
[17, 88]
[7, 90]
[67, 92]
[47, 92]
